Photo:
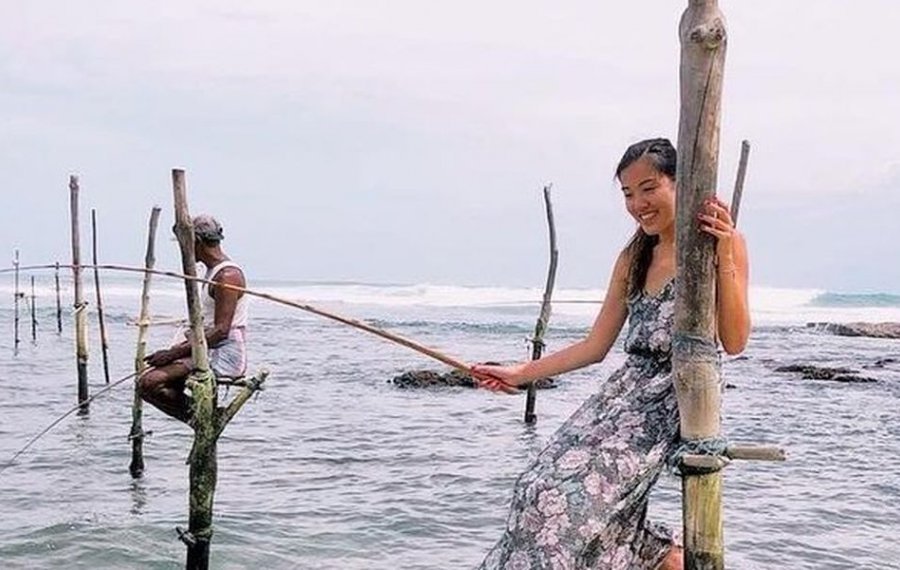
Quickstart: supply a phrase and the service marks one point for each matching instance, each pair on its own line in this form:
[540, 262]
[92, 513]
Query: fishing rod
[430, 352]
[61, 418]
[485, 380]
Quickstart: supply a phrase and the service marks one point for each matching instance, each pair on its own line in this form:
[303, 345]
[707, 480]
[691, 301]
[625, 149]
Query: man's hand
[161, 358]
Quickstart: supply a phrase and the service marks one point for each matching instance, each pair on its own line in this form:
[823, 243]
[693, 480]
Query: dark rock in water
[882, 362]
[812, 372]
[874, 330]
[852, 379]
[454, 378]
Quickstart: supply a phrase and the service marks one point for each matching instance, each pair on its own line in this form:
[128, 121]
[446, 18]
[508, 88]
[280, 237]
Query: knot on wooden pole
[709, 455]
[139, 435]
[192, 538]
[709, 34]
[699, 456]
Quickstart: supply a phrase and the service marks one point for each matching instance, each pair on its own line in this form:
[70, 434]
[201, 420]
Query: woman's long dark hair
[640, 247]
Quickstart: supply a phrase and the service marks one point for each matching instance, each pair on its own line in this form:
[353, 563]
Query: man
[224, 318]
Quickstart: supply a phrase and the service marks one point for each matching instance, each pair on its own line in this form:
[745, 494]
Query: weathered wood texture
[81, 347]
[104, 341]
[136, 468]
[540, 328]
[696, 376]
[203, 465]
[703, 522]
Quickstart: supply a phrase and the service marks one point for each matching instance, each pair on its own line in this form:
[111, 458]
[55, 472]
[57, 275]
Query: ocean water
[334, 467]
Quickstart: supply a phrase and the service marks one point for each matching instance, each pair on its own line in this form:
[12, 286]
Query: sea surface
[332, 466]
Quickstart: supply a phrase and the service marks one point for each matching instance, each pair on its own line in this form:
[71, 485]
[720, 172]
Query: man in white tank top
[225, 321]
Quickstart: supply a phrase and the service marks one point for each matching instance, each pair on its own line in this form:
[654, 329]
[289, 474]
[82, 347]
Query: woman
[583, 502]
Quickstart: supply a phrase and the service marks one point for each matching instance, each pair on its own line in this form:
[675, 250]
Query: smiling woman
[583, 501]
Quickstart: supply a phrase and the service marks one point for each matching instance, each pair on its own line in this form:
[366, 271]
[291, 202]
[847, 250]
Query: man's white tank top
[209, 304]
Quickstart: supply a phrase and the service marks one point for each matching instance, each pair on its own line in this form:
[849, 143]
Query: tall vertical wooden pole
[33, 313]
[81, 350]
[104, 342]
[16, 296]
[203, 466]
[694, 355]
[136, 468]
[58, 301]
[537, 347]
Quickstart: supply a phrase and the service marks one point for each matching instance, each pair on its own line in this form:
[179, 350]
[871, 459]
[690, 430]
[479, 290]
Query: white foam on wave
[769, 305]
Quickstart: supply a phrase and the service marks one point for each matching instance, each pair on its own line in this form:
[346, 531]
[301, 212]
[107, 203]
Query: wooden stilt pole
[58, 302]
[81, 348]
[16, 296]
[208, 422]
[203, 464]
[694, 356]
[537, 346]
[137, 430]
[104, 342]
[33, 314]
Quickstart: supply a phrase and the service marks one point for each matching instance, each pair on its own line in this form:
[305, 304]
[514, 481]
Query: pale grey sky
[407, 141]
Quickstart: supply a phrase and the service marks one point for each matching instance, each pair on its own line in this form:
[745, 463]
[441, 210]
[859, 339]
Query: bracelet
[731, 269]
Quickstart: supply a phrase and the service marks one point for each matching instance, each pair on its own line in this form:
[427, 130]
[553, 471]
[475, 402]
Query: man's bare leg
[164, 388]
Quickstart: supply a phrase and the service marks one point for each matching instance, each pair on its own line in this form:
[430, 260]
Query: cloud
[424, 126]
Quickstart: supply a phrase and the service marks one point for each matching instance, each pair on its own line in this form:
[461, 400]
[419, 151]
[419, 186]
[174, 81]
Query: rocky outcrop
[874, 330]
[433, 379]
[812, 372]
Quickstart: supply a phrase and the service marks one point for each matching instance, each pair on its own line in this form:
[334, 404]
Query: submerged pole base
[83, 393]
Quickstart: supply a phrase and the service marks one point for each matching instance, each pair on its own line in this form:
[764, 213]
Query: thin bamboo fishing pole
[430, 352]
[16, 296]
[58, 302]
[739, 181]
[56, 422]
[104, 342]
[33, 313]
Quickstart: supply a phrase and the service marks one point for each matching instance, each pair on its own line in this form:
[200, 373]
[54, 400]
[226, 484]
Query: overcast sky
[407, 141]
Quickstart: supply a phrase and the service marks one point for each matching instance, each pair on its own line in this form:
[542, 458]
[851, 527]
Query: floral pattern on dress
[582, 504]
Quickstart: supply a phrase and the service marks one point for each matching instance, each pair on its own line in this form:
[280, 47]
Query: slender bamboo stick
[16, 296]
[739, 181]
[537, 346]
[58, 302]
[136, 468]
[104, 342]
[430, 352]
[203, 462]
[696, 375]
[81, 348]
[33, 315]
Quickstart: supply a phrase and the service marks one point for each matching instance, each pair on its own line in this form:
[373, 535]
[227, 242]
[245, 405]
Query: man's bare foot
[674, 560]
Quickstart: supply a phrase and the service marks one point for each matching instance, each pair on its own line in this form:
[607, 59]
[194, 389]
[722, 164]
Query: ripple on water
[332, 467]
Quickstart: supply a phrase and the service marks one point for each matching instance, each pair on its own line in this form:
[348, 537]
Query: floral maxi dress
[582, 503]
